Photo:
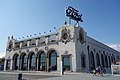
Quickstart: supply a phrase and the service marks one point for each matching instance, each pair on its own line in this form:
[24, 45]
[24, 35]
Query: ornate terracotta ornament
[81, 37]
[36, 49]
[27, 50]
[10, 46]
[65, 35]
[46, 48]
[20, 51]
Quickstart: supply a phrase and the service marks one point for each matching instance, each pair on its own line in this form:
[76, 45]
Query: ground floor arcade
[38, 62]
[51, 61]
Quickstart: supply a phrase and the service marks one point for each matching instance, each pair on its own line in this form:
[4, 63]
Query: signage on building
[73, 14]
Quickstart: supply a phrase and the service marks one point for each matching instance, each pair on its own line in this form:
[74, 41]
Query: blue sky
[22, 18]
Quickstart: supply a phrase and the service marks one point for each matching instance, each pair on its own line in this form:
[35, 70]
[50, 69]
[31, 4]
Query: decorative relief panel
[10, 46]
[81, 36]
[65, 35]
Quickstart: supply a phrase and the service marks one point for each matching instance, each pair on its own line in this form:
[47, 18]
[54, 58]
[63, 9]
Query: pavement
[37, 75]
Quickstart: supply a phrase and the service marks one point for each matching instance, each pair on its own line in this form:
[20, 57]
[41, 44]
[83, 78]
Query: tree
[2, 60]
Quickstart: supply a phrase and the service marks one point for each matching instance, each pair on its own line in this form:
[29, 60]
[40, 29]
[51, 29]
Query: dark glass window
[106, 61]
[16, 62]
[102, 60]
[53, 60]
[92, 63]
[42, 61]
[24, 66]
[32, 61]
[98, 59]
[66, 63]
[83, 61]
[65, 36]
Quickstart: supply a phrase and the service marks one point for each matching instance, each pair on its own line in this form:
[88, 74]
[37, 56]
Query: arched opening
[8, 62]
[109, 61]
[98, 60]
[66, 62]
[24, 61]
[15, 61]
[92, 63]
[53, 60]
[102, 60]
[83, 64]
[41, 61]
[32, 61]
[106, 61]
[113, 58]
[89, 57]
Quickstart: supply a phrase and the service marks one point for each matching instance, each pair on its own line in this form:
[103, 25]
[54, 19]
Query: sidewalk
[38, 75]
[83, 76]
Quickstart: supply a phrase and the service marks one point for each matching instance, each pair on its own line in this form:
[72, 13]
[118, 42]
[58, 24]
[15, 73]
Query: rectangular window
[83, 61]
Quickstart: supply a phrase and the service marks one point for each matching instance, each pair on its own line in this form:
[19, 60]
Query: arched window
[41, 64]
[53, 60]
[113, 58]
[98, 59]
[106, 61]
[92, 63]
[109, 61]
[32, 60]
[8, 62]
[83, 64]
[16, 61]
[24, 61]
[102, 60]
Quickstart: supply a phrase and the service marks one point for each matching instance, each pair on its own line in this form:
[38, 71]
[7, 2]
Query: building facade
[71, 45]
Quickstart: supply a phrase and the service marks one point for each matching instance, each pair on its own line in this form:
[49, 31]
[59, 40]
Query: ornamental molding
[36, 49]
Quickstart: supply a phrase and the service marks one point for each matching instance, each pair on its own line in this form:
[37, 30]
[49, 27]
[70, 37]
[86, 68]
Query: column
[13, 43]
[21, 45]
[46, 40]
[87, 62]
[28, 64]
[95, 61]
[5, 64]
[37, 63]
[58, 63]
[112, 69]
[71, 68]
[108, 61]
[100, 60]
[19, 68]
[36, 42]
[47, 63]
[61, 63]
[11, 65]
[28, 43]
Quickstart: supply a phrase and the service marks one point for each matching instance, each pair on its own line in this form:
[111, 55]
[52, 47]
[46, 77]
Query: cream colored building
[71, 45]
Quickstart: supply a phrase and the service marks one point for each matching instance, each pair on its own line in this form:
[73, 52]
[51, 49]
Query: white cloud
[2, 54]
[115, 46]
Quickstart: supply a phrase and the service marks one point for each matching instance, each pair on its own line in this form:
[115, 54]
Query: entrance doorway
[8, 64]
[66, 62]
